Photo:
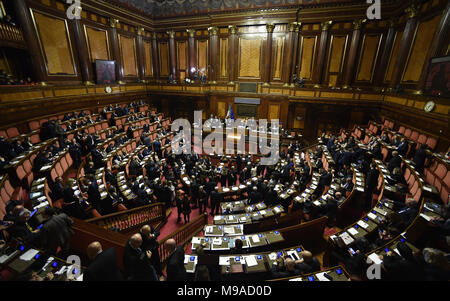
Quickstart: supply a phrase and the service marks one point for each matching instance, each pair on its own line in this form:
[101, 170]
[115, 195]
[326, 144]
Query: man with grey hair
[175, 262]
[103, 265]
[137, 261]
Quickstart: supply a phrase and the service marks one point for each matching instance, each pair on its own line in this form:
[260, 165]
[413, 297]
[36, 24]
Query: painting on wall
[438, 79]
[105, 71]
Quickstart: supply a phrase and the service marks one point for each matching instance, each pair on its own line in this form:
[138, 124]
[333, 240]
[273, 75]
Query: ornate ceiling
[166, 8]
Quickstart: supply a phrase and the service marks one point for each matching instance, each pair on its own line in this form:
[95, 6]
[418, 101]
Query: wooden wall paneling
[232, 53]
[213, 54]
[419, 49]
[115, 47]
[307, 54]
[164, 58]
[202, 56]
[192, 53]
[368, 57]
[54, 39]
[336, 55]
[277, 55]
[98, 43]
[267, 66]
[140, 54]
[182, 56]
[437, 47]
[148, 58]
[393, 57]
[250, 56]
[128, 54]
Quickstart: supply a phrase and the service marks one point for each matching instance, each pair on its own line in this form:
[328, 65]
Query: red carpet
[172, 225]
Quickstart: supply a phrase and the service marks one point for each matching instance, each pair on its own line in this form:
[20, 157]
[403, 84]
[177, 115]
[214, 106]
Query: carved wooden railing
[131, 220]
[9, 33]
[183, 235]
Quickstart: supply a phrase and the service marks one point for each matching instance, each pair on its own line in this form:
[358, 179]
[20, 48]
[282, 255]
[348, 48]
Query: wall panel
[393, 57]
[278, 57]
[128, 51]
[182, 57]
[164, 58]
[368, 57]
[223, 58]
[421, 44]
[202, 56]
[250, 53]
[97, 42]
[306, 56]
[148, 58]
[55, 44]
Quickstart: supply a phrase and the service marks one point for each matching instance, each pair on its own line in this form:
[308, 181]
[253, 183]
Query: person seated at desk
[308, 264]
[103, 266]
[285, 267]
[402, 148]
[419, 158]
[348, 186]
[21, 229]
[136, 261]
[403, 267]
[238, 247]
[395, 161]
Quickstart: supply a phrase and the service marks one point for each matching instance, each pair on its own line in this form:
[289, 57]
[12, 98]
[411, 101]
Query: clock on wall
[108, 89]
[429, 106]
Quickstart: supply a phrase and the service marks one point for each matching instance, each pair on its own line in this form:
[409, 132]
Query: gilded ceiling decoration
[166, 8]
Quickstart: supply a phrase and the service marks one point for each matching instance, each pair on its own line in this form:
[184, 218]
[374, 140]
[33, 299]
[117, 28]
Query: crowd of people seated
[163, 175]
[6, 79]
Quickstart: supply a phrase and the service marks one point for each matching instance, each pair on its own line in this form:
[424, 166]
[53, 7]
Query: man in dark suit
[283, 268]
[403, 147]
[308, 264]
[419, 158]
[395, 161]
[103, 265]
[216, 199]
[56, 231]
[150, 243]
[136, 261]
[371, 183]
[175, 262]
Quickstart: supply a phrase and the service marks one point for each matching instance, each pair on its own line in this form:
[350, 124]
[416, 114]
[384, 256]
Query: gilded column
[213, 53]
[295, 52]
[191, 50]
[29, 33]
[405, 45]
[380, 70]
[318, 68]
[173, 55]
[140, 54]
[350, 67]
[115, 47]
[232, 54]
[268, 62]
[155, 57]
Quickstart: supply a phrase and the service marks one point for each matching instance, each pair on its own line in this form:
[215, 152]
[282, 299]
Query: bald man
[150, 243]
[137, 261]
[308, 264]
[103, 266]
[284, 267]
[175, 262]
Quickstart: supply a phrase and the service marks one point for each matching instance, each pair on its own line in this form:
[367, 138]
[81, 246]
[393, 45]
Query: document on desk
[426, 217]
[321, 276]
[263, 212]
[371, 215]
[363, 224]
[427, 188]
[218, 217]
[209, 229]
[293, 255]
[296, 279]
[273, 256]
[224, 260]
[5, 257]
[375, 259]
[28, 255]
[317, 203]
[277, 210]
[352, 231]
[255, 238]
[196, 240]
[229, 230]
[231, 217]
[251, 260]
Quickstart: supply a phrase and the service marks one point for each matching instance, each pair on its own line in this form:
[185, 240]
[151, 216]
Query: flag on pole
[230, 113]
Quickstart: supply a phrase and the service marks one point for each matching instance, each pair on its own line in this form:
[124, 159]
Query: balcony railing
[11, 34]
